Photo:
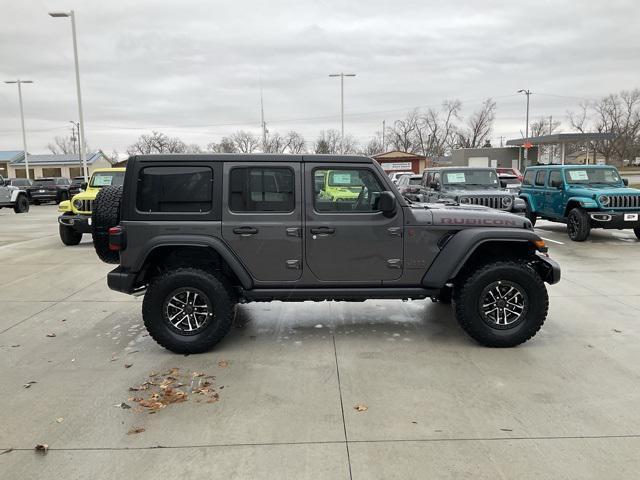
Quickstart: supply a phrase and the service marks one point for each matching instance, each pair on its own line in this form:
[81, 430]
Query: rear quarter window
[187, 189]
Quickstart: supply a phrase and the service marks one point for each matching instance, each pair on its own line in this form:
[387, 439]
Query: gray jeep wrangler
[13, 197]
[199, 233]
[467, 186]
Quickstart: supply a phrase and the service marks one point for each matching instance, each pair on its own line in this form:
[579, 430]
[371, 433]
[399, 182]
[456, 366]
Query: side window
[428, 179]
[174, 189]
[540, 178]
[347, 190]
[555, 177]
[528, 177]
[261, 189]
[436, 178]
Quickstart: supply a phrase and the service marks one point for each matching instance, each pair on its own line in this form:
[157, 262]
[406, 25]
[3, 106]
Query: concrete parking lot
[564, 405]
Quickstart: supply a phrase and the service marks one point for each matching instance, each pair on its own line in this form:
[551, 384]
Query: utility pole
[384, 129]
[262, 122]
[526, 128]
[550, 147]
[76, 127]
[342, 75]
[502, 137]
[24, 134]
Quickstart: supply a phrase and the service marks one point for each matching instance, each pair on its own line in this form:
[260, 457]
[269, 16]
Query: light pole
[342, 75]
[83, 143]
[526, 127]
[24, 134]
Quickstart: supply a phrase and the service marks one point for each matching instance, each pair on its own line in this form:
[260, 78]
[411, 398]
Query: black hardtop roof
[567, 165]
[460, 168]
[250, 157]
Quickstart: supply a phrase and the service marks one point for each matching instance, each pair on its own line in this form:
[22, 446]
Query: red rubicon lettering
[479, 221]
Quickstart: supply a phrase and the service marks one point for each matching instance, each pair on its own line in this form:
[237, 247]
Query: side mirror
[387, 203]
[556, 183]
[434, 185]
[83, 186]
[625, 181]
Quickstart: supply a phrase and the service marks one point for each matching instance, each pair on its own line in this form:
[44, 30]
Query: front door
[5, 192]
[347, 238]
[262, 218]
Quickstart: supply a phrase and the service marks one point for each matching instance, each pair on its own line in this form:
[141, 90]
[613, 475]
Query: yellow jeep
[76, 213]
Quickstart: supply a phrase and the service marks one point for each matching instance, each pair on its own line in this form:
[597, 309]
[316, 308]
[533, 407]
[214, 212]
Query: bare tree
[295, 143]
[157, 142]
[478, 126]
[543, 127]
[245, 142]
[62, 145]
[373, 146]
[402, 135]
[226, 145]
[436, 134]
[329, 142]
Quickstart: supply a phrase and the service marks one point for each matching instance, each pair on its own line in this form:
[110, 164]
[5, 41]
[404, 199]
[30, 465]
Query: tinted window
[528, 177]
[263, 189]
[103, 179]
[414, 181]
[555, 176]
[20, 182]
[353, 190]
[175, 189]
[62, 181]
[540, 177]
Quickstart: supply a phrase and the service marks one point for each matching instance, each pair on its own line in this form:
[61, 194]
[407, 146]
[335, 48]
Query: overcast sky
[192, 68]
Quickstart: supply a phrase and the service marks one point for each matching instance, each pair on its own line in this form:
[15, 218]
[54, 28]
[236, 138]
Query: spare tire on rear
[105, 214]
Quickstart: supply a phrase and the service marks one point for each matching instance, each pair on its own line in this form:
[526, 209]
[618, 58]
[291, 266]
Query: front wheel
[187, 310]
[578, 225]
[502, 304]
[21, 205]
[69, 236]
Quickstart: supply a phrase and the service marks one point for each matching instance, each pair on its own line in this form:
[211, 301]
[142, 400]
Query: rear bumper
[80, 223]
[121, 280]
[615, 220]
[551, 269]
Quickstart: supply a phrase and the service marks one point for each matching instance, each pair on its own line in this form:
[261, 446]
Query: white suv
[13, 197]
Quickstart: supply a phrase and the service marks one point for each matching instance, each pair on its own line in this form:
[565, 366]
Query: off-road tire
[445, 296]
[105, 214]
[22, 204]
[467, 306]
[578, 225]
[36, 202]
[69, 236]
[157, 323]
[530, 214]
[637, 232]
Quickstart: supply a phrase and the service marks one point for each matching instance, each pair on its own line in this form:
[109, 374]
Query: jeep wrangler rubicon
[13, 197]
[199, 233]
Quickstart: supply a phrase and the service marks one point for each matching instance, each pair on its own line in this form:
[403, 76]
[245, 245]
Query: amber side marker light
[541, 246]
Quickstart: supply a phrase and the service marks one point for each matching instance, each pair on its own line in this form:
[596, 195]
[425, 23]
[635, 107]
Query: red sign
[527, 144]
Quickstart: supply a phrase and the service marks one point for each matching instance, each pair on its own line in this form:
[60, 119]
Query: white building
[66, 165]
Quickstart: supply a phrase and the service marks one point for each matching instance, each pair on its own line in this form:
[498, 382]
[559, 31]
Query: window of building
[261, 189]
[352, 190]
[51, 172]
[175, 189]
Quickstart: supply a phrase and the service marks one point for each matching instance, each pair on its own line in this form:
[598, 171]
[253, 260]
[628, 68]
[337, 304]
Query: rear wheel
[502, 304]
[21, 205]
[68, 235]
[36, 202]
[530, 214]
[105, 214]
[187, 310]
[578, 225]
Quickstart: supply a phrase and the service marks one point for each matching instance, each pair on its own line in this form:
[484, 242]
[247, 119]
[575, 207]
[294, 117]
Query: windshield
[20, 182]
[105, 179]
[45, 181]
[344, 179]
[470, 178]
[588, 176]
[415, 181]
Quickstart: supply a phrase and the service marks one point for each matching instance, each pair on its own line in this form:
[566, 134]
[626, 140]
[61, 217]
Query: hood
[610, 190]
[89, 194]
[462, 216]
[476, 193]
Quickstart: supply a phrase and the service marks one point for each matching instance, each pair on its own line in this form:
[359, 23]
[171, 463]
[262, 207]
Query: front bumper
[615, 220]
[551, 272]
[121, 280]
[80, 223]
[46, 196]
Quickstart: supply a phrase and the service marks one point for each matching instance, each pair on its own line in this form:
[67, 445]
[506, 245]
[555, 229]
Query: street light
[526, 128]
[83, 144]
[342, 75]
[24, 134]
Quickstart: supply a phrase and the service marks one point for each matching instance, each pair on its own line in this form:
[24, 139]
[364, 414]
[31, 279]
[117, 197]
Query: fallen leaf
[617, 331]
[122, 405]
[198, 374]
[59, 419]
[135, 430]
[28, 384]
[128, 365]
[16, 345]
[41, 448]
[10, 449]
[506, 430]
[51, 335]
[361, 407]
[223, 364]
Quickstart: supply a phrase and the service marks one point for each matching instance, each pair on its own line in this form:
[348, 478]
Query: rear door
[262, 218]
[347, 238]
[538, 194]
[554, 196]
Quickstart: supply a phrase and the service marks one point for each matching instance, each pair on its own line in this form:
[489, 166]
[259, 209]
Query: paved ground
[564, 405]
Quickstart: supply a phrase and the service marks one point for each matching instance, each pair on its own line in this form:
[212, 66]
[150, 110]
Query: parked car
[395, 176]
[583, 197]
[199, 233]
[510, 182]
[409, 185]
[467, 186]
[21, 183]
[75, 218]
[50, 189]
[510, 171]
[13, 197]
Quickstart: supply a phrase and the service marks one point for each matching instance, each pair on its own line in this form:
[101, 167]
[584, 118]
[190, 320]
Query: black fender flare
[215, 244]
[461, 246]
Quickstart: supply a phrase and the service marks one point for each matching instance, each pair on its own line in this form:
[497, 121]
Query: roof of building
[63, 159]
[556, 138]
[10, 155]
[397, 154]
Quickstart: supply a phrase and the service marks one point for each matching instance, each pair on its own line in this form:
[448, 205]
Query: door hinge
[294, 232]
[395, 231]
[293, 264]
[394, 263]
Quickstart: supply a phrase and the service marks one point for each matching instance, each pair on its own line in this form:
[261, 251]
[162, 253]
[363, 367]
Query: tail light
[117, 238]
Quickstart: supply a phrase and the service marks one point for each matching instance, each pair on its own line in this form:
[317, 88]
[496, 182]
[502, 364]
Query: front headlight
[506, 201]
[77, 204]
[464, 200]
[604, 200]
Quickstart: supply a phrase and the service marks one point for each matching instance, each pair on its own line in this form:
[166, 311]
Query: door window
[528, 177]
[261, 189]
[555, 177]
[540, 178]
[346, 190]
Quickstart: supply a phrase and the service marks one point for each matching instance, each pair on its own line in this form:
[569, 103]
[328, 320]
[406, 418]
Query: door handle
[323, 231]
[245, 231]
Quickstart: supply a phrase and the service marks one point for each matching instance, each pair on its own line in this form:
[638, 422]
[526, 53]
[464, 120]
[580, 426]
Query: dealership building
[12, 164]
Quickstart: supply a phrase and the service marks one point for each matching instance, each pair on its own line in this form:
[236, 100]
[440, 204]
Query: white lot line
[552, 241]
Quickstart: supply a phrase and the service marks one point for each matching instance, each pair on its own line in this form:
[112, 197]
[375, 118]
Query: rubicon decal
[480, 221]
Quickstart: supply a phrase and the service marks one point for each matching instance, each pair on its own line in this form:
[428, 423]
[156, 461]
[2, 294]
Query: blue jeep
[582, 196]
